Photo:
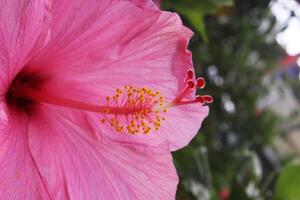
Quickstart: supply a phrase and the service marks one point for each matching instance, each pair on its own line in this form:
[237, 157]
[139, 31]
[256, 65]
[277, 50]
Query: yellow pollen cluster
[134, 110]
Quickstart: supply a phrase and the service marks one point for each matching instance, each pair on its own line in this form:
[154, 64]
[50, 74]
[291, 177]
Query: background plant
[235, 50]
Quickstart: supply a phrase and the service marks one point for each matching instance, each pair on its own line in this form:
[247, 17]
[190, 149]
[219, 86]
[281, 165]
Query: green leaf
[288, 184]
[196, 18]
[220, 3]
[195, 11]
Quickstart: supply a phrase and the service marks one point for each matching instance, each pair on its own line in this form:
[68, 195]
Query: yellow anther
[140, 110]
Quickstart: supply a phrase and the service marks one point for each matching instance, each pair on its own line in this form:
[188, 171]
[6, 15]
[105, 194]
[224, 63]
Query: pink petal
[75, 167]
[145, 4]
[20, 179]
[115, 44]
[23, 30]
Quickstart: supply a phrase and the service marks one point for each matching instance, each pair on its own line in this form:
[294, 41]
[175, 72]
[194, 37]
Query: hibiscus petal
[74, 166]
[20, 179]
[23, 30]
[145, 4]
[119, 44]
[115, 44]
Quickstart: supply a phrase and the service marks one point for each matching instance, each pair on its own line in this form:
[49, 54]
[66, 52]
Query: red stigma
[200, 83]
[200, 99]
[208, 98]
[190, 87]
[190, 74]
[191, 84]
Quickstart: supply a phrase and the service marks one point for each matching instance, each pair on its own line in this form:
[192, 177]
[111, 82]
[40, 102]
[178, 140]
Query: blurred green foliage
[195, 11]
[287, 186]
[234, 50]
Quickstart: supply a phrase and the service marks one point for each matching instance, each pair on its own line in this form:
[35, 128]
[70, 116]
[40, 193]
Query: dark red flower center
[22, 102]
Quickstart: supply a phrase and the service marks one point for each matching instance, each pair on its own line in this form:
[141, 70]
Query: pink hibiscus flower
[94, 96]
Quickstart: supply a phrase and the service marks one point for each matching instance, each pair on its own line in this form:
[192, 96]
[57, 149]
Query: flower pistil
[131, 109]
